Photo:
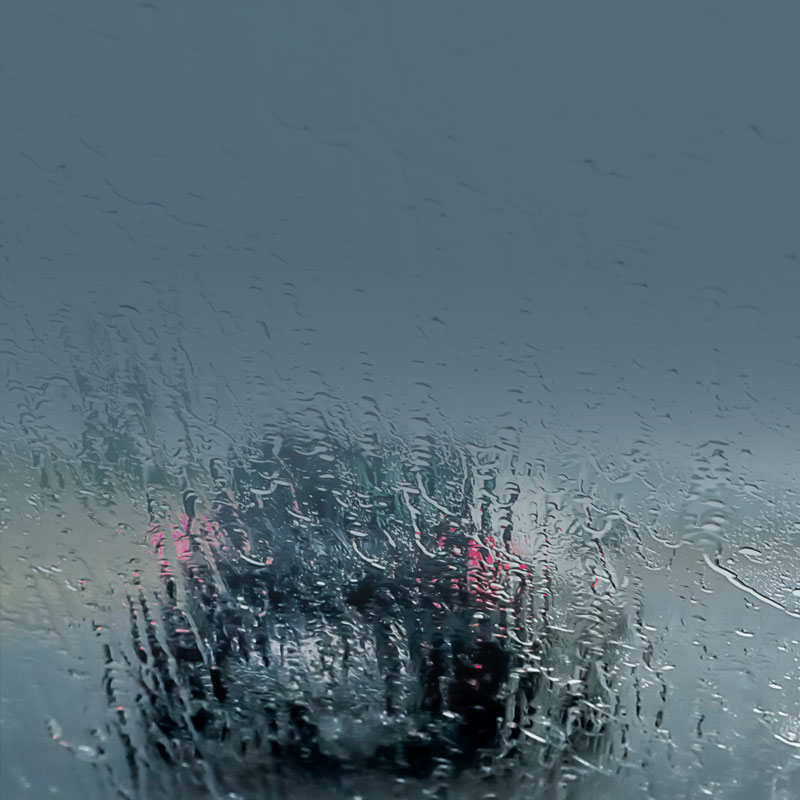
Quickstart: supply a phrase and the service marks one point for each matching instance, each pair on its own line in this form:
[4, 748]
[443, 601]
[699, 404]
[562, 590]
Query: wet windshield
[399, 401]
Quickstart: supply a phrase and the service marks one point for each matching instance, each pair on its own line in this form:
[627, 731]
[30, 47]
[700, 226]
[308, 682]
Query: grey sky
[574, 211]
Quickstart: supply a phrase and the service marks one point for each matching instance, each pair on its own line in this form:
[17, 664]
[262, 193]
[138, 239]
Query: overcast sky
[576, 212]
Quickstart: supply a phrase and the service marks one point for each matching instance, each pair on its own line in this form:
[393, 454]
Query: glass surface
[399, 400]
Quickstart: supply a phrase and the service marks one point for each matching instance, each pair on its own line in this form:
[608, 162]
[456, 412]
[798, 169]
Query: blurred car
[339, 610]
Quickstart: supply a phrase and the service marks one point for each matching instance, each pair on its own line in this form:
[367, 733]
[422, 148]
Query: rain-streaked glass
[399, 400]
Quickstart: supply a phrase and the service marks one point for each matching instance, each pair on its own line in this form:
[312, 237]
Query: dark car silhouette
[333, 610]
